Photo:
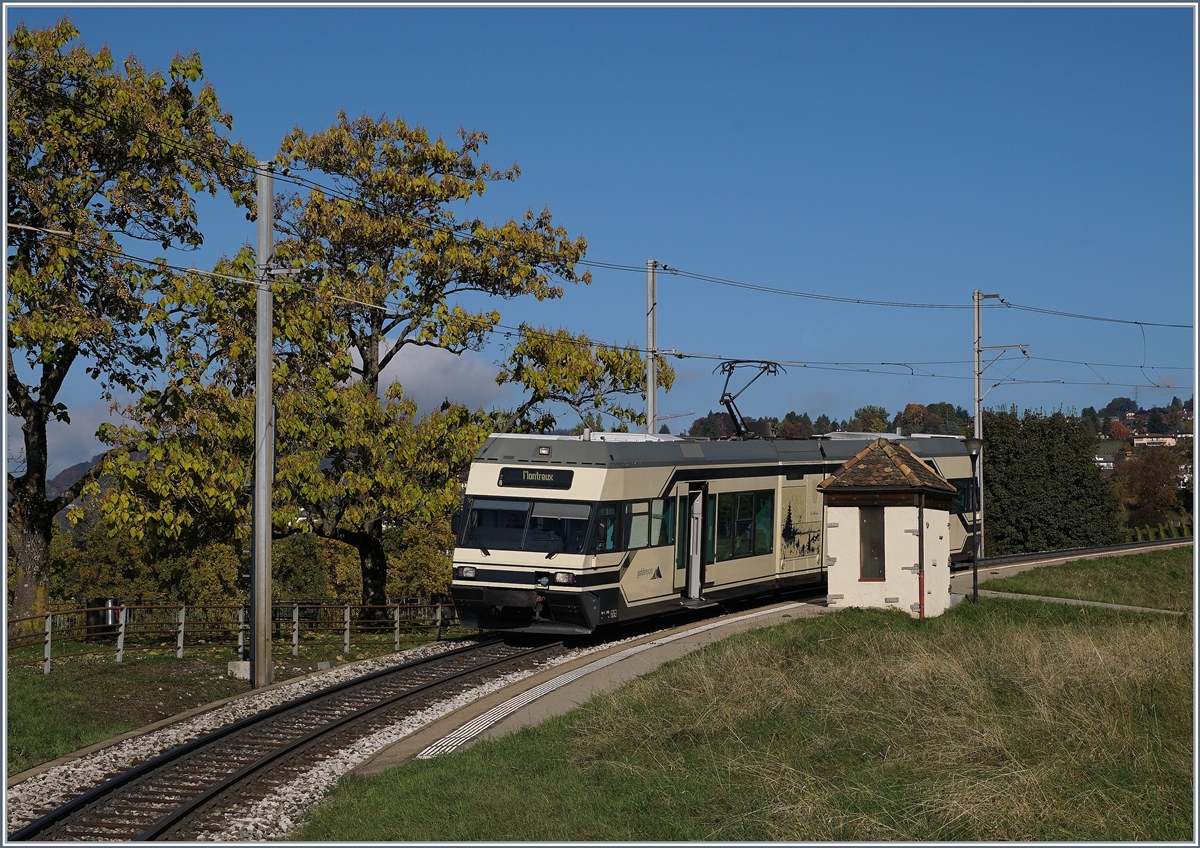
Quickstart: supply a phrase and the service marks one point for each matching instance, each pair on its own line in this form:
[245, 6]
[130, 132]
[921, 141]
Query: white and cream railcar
[563, 534]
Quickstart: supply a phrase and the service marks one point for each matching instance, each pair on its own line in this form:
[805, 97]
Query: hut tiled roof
[885, 465]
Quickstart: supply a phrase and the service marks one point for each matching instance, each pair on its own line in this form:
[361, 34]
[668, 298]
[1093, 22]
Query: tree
[1157, 424]
[715, 425]
[795, 426]
[1118, 406]
[1119, 431]
[568, 369]
[1151, 479]
[822, 425]
[870, 419]
[94, 153]
[383, 265]
[1042, 490]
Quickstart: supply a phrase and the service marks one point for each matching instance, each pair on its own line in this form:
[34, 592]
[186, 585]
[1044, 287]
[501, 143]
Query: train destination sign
[537, 478]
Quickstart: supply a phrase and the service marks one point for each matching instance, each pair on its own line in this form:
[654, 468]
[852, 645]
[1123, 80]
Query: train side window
[637, 525]
[964, 496]
[662, 522]
[606, 535]
[743, 528]
[764, 515]
[710, 520]
[725, 504]
[871, 542]
[681, 548]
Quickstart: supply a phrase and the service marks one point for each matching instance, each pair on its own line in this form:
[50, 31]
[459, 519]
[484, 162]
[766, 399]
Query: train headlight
[564, 578]
[465, 572]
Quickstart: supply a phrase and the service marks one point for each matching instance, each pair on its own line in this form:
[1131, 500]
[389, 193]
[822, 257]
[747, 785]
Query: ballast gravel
[274, 817]
[34, 797]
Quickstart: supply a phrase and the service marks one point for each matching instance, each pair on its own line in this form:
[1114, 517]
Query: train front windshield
[524, 525]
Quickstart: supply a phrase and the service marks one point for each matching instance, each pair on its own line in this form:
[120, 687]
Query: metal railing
[124, 627]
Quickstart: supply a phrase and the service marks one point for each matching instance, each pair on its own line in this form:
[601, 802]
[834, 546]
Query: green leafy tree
[1042, 491]
[381, 262]
[715, 425]
[569, 369]
[420, 567]
[795, 426]
[1118, 406]
[870, 419]
[96, 153]
[306, 567]
[1151, 479]
[822, 425]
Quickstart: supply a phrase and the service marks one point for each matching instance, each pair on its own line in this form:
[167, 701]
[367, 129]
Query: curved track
[1080, 553]
[195, 789]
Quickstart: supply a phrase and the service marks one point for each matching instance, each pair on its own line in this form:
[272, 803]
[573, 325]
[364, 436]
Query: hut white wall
[901, 587]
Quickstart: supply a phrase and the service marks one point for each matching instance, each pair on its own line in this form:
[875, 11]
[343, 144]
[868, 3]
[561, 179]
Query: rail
[1157, 544]
[74, 633]
[179, 783]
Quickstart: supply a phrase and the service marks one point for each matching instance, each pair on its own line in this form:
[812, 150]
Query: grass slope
[1012, 720]
[83, 702]
[1156, 579]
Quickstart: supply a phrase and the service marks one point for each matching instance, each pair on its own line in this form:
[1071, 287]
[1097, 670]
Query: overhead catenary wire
[463, 232]
[508, 330]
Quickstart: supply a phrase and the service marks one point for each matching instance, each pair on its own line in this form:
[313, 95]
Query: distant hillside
[68, 477]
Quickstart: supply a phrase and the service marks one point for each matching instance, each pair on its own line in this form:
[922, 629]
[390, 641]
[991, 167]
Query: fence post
[46, 664]
[241, 633]
[437, 636]
[121, 634]
[179, 635]
[346, 640]
[396, 616]
[295, 630]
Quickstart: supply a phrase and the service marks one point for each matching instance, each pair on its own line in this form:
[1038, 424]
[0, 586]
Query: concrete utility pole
[651, 346]
[262, 668]
[978, 297]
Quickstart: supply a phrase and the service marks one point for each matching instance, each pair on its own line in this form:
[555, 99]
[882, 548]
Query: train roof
[640, 449]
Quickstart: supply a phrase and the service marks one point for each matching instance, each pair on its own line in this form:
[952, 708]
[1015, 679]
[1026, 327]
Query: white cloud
[430, 375]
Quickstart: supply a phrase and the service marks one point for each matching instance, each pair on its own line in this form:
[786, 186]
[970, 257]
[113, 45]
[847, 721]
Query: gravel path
[276, 816]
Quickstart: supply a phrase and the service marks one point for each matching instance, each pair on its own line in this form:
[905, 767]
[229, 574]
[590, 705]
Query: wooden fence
[119, 628]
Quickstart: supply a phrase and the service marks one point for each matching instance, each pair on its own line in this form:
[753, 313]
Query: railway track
[192, 792]
[1079, 553]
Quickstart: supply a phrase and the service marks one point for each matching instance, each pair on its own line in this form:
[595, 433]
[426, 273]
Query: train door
[693, 544]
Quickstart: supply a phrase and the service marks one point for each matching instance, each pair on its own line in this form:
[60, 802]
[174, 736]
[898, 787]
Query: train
[567, 534]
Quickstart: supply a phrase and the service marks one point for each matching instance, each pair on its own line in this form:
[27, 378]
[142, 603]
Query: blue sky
[903, 154]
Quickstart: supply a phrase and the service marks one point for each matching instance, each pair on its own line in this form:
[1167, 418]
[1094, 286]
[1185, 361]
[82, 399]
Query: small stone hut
[888, 532]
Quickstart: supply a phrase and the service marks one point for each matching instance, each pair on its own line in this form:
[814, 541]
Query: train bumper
[526, 610]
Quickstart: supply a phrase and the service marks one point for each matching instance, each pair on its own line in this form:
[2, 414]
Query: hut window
[870, 525]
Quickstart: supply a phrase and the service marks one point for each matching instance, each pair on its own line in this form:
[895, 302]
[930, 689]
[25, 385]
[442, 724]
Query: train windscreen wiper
[471, 538]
